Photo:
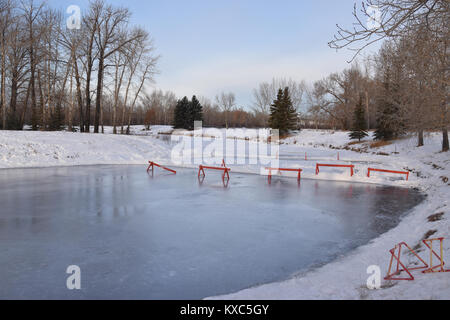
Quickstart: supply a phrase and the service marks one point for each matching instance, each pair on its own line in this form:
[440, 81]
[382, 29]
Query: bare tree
[32, 13]
[71, 41]
[162, 104]
[376, 20]
[401, 18]
[91, 22]
[135, 51]
[338, 94]
[120, 67]
[111, 37]
[51, 69]
[147, 65]
[5, 16]
[264, 97]
[226, 102]
[17, 65]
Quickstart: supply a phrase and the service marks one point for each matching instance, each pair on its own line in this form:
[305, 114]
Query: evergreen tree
[390, 124]
[275, 111]
[188, 119]
[289, 112]
[359, 122]
[180, 113]
[196, 112]
[283, 115]
[187, 112]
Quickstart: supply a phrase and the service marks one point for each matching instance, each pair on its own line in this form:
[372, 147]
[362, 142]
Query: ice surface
[138, 236]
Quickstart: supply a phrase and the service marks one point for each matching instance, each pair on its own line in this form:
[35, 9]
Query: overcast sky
[209, 46]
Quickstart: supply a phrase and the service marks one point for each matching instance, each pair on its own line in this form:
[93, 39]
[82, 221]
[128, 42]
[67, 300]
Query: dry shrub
[379, 144]
[355, 143]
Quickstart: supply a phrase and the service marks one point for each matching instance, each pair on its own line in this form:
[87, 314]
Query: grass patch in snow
[429, 234]
[436, 217]
[379, 144]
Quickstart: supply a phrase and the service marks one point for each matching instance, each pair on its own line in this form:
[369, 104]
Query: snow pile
[45, 149]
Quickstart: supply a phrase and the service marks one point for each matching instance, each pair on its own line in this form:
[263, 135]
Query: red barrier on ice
[352, 167]
[299, 171]
[153, 165]
[388, 171]
[226, 171]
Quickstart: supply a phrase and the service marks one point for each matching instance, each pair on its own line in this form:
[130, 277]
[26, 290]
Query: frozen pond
[137, 236]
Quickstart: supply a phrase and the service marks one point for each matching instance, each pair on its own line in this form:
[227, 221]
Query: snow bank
[46, 149]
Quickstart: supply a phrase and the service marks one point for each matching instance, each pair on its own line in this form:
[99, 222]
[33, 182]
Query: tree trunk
[3, 84]
[87, 124]
[34, 116]
[445, 144]
[25, 107]
[42, 102]
[421, 142]
[88, 82]
[368, 111]
[79, 95]
[13, 101]
[69, 122]
[99, 94]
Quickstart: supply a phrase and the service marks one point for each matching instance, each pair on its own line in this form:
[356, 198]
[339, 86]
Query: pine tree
[275, 111]
[283, 115]
[359, 122]
[196, 112]
[188, 119]
[290, 114]
[390, 123]
[180, 113]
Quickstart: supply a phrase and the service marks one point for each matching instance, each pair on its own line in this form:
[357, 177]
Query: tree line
[406, 83]
[54, 76]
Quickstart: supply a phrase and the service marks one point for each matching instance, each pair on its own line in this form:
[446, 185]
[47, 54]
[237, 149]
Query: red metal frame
[352, 167]
[299, 177]
[153, 165]
[397, 257]
[226, 171]
[388, 171]
[429, 244]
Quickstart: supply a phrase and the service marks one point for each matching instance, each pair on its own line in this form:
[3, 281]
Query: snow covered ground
[347, 277]
[343, 279]
[46, 149]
